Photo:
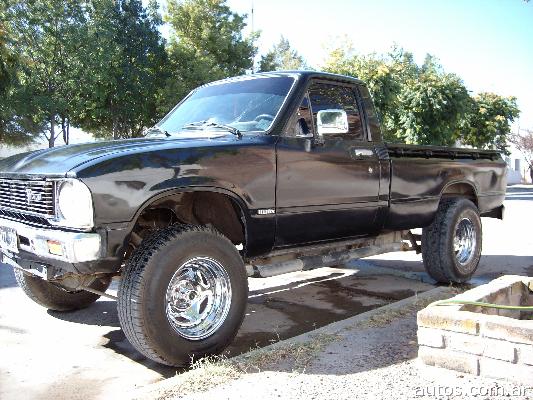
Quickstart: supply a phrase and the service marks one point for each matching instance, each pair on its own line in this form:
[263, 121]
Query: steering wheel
[264, 116]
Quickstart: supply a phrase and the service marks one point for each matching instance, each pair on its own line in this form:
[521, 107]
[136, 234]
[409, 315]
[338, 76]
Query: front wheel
[53, 297]
[183, 295]
[451, 245]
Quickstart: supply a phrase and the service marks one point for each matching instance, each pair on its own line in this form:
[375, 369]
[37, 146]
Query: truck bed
[420, 175]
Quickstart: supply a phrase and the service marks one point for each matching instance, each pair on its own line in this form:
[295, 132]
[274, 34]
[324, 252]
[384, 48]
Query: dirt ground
[85, 355]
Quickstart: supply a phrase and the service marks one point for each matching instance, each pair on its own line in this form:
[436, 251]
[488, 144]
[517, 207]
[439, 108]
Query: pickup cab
[256, 175]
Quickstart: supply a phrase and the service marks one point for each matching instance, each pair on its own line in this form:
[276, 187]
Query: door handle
[363, 153]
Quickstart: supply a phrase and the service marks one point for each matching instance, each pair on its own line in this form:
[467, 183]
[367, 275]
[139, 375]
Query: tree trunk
[114, 121]
[52, 138]
[65, 127]
[531, 172]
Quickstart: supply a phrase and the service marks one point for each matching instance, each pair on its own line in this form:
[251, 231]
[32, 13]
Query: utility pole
[253, 31]
[252, 16]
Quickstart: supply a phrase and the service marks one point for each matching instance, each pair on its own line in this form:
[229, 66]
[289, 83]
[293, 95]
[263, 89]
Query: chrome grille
[28, 197]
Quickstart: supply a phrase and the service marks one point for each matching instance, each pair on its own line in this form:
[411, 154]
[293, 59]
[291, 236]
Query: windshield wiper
[201, 124]
[155, 129]
[229, 128]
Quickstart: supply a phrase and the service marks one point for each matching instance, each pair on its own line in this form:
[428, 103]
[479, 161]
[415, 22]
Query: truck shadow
[274, 313]
[490, 267]
[7, 277]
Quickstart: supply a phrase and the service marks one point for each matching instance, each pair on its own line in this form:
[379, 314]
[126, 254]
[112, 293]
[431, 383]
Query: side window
[325, 96]
[302, 121]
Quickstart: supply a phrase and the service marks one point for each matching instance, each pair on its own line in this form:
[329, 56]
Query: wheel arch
[463, 189]
[217, 207]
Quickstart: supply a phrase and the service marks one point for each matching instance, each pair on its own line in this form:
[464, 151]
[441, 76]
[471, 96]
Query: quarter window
[301, 123]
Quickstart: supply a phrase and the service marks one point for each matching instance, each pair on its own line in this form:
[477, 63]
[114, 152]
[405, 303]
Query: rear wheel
[451, 245]
[54, 297]
[183, 295]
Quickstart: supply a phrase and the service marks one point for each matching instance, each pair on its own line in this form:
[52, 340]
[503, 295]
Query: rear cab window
[371, 115]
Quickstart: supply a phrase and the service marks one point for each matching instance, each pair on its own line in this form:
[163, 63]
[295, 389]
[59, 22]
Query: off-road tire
[142, 293]
[438, 242]
[55, 298]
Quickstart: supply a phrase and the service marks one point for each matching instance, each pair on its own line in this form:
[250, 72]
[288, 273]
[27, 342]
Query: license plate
[8, 239]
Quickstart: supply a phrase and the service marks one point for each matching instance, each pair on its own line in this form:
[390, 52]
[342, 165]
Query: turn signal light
[55, 247]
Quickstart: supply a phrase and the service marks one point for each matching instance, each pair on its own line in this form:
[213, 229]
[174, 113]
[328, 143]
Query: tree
[8, 59]
[379, 75]
[281, 57]
[213, 32]
[488, 122]
[419, 104]
[48, 35]
[206, 44]
[124, 69]
[11, 126]
[432, 105]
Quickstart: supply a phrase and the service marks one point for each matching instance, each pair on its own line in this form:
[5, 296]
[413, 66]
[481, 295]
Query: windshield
[247, 105]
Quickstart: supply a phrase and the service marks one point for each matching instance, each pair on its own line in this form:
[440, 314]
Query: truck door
[327, 184]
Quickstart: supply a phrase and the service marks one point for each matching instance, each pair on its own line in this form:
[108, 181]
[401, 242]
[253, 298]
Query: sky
[488, 43]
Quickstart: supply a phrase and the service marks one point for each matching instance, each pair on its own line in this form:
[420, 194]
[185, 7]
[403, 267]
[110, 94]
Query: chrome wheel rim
[198, 298]
[464, 241]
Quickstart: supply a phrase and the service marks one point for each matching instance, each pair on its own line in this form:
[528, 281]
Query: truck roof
[292, 73]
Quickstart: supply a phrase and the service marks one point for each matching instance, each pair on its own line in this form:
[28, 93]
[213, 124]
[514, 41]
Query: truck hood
[58, 161]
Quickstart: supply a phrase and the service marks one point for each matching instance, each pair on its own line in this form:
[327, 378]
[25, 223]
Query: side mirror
[332, 122]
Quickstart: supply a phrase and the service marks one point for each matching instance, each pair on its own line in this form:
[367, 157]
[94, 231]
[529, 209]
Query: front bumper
[53, 244]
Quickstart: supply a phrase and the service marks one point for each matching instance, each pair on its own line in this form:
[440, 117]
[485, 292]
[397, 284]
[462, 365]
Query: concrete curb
[438, 293]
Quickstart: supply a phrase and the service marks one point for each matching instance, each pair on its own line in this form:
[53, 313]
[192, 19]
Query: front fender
[245, 170]
[121, 185]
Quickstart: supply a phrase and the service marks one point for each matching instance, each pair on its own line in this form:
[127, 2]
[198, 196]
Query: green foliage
[102, 65]
[282, 57]
[423, 104]
[44, 36]
[207, 44]
[488, 124]
[432, 106]
[8, 60]
[11, 125]
[212, 32]
[124, 69]
[381, 76]
[49, 35]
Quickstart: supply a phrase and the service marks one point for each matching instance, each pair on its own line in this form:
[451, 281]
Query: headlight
[74, 205]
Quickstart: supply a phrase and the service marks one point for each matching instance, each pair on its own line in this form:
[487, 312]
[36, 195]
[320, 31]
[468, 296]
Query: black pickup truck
[250, 176]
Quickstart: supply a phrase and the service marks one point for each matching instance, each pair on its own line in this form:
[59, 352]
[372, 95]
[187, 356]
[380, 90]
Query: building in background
[517, 168]
[517, 165]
